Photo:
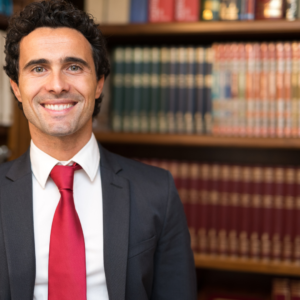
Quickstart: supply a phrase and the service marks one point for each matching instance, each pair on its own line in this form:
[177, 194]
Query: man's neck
[61, 148]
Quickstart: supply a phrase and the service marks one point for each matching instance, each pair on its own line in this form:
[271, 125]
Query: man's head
[56, 59]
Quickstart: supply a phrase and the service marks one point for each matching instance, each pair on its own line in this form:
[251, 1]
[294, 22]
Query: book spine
[210, 10]
[120, 15]
[186, 10]
[128, 91]
[154, 102]
[138, 11]
[296, 239]
[181, 81]
[272, 90]
[118, 88]
[95, 8]
[199, 83]
[161, 11]
[164, 89]
[280, 90]
[207, 89]
[220, 101]
[190, 91]
[294, 96]
[173, 91]
[136, 89]
[271, 9]
[214, 209]
[267, 204]
[242, 90]
[224, 211]
[291, 9]
[295, 289]
[227, 72]
[229, 10]
[247, 10]
[194, 203]
[257, 103]
[256, 213]
[287, 89]
[145, 101]
[280, 289]
[244, 235]
[278, 215]
[250, 88]
[289, 208]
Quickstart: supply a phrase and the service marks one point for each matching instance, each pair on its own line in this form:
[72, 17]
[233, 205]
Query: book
[291, 9]
[95, 8]
[164, 89]
[207, 89]
[295, 90]
[136, 88]
[161, 11]
[116, 11]
[138, 11]
[118, 89]
[287, 52]
[296, 238]
[294, 289]
[190, 91]
[186, 10]
[257, 102]
[270, 9]
[210, 10]
[128, 89]
[229, 10]
[247, 11]
[146, 89]
[280, 289]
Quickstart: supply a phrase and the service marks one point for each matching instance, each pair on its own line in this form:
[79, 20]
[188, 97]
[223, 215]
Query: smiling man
[76, 221]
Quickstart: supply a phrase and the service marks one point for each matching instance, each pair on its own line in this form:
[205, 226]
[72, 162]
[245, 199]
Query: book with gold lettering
[269, 9]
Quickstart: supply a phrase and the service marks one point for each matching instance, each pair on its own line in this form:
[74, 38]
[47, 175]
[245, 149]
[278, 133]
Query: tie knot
[63, 176]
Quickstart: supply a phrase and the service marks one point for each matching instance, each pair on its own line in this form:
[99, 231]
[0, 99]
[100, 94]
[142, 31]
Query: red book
[278, 214]
[296, 250]
[257, 89]
[193, 203]
[295, 114]
[186, 10]
[224, 211]
[183, 184]
[234, 203]
[288, 211]
[214, 198]
[267, 204]
[244, 234]
[256, 213]
[204, 202]
[295, 289]
[280, 289]
[161, 11]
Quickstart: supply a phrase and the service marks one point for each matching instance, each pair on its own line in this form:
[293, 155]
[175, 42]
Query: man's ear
[16, 89]
[99, 87]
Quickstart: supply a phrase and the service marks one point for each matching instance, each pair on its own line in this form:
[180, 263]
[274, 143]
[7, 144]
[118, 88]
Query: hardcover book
[186, 10]
[161, 11]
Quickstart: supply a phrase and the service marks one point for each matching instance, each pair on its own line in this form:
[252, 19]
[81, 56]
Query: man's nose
[57, 83]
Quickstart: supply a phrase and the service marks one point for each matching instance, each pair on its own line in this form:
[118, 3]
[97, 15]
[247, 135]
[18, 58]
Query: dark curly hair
[54, 14]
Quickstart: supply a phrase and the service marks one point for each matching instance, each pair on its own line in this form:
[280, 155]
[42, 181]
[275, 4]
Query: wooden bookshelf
[259, 28]
[243, 265]
[196, 140]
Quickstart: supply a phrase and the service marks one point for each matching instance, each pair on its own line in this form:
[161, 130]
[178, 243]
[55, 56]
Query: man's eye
[74, 68]
[38, 69]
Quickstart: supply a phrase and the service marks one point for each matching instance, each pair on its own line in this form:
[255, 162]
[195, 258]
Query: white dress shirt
[88, 203]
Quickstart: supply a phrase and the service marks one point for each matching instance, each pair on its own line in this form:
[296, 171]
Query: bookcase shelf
[196, 140]
[242, 265]
[202, 28]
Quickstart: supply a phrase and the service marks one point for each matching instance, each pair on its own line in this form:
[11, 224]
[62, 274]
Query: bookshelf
[196, 140]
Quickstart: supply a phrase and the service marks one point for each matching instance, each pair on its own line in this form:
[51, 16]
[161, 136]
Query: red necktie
[67, 270]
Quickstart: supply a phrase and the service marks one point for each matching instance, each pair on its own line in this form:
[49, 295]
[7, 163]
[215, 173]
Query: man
[76, 221]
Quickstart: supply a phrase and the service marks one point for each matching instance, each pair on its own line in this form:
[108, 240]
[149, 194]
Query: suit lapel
[17, 221]
[116, 208]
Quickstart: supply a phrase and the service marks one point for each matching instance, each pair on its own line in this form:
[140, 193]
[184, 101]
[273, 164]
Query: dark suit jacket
[147, 251]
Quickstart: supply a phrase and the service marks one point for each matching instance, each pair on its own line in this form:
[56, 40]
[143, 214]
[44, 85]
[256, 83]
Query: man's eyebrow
[36, 62]
[76, 60]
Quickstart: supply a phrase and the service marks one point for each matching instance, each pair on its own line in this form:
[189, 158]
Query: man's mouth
[58, 106]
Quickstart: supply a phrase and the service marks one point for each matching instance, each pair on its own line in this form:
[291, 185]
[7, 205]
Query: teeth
[58, 106]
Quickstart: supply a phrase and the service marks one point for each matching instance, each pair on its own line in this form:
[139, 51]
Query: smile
[58, 106]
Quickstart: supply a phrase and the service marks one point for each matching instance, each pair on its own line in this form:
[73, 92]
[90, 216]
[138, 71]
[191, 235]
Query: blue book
[207, 90]
[139, 11]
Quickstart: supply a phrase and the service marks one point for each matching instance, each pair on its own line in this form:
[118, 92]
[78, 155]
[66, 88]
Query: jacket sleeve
[174, 273]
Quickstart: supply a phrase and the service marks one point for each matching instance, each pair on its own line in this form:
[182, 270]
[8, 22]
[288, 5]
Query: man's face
[57, 80]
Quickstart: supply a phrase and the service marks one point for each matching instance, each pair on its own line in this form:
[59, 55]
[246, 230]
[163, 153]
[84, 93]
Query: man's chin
[60, 132]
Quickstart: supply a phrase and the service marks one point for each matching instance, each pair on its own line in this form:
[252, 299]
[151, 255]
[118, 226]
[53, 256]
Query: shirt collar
[42, 163]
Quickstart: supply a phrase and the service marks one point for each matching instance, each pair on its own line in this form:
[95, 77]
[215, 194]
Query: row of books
[153, 11]
[241, 89]
[6, 98]
[240, 211]
[285, 289]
